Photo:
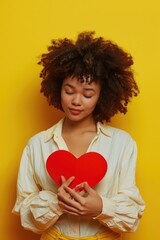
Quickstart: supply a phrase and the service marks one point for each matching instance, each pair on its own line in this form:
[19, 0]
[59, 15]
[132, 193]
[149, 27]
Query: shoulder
[43, 136]
[116, 134]
[121, 142]
[38, 137]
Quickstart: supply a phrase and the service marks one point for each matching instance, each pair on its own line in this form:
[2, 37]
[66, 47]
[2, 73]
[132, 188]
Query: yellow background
[27, 28]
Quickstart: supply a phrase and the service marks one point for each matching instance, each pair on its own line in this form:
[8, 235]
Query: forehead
[75, 82]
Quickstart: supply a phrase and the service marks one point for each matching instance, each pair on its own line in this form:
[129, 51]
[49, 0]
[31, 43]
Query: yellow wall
[26, 29]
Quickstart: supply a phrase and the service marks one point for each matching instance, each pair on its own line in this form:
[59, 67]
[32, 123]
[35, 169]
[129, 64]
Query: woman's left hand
[89, 204]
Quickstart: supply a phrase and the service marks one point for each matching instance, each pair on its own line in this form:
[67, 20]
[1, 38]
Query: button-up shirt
[37, 202]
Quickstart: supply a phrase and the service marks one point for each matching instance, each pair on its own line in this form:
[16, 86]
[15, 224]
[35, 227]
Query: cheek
[64, 100]
[92, 104]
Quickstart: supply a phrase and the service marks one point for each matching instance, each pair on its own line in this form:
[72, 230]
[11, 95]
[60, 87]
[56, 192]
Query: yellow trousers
[54, 234]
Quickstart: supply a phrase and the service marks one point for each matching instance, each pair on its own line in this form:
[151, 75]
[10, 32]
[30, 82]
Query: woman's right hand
[61, 191]
[63, 194]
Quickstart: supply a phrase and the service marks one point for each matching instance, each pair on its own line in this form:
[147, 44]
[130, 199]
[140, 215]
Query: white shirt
[36, 192]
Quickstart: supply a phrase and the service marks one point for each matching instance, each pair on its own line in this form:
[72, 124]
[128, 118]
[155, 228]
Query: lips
[75, 111]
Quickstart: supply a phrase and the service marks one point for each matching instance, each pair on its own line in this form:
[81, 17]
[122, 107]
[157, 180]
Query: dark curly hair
[96, 59]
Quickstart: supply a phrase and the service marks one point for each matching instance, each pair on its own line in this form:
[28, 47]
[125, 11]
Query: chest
[79, 144]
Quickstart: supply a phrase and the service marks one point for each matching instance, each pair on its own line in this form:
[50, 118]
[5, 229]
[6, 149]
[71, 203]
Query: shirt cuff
[108, 209]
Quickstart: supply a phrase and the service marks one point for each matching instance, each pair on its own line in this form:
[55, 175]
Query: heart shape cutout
[90, 167]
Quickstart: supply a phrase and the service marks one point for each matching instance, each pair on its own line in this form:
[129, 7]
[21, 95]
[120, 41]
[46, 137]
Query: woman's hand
[61, 190]
[76, 203]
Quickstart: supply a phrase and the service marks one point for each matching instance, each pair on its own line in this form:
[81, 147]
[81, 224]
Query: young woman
[90, 80]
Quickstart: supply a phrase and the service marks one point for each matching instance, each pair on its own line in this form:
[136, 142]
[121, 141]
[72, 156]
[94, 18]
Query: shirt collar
[56, 130]
[103, 128]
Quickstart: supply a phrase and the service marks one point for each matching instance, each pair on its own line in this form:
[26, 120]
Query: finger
[82, 193]
[66, 198]
[63, 179]
[61, 196]
[71, 213]
[69, 180]
[68, 208]
[75, 195]
[72, 206]
[87, 188]
[79, 187]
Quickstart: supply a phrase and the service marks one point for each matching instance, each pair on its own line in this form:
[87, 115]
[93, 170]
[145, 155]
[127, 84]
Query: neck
[85, 124]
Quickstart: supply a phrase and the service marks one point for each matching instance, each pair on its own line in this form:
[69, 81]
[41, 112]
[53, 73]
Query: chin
[74, 119]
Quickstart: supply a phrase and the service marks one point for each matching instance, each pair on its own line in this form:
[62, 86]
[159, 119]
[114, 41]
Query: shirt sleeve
[122, 212]
[38, 209]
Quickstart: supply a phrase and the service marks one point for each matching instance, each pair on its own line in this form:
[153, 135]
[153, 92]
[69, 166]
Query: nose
[76, 100]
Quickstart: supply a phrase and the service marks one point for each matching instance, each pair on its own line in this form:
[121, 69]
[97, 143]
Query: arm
[38, 209]
[121, 212]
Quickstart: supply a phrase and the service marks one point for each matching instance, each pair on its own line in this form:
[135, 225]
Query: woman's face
[78, 99]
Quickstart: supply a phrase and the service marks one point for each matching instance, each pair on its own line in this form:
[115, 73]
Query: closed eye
[69, 93]
[87, 96]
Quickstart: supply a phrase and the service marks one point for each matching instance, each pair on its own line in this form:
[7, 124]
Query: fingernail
[77, 187]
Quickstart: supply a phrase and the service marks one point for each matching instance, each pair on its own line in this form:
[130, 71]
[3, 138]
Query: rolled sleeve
[38, 210]
[123, 211]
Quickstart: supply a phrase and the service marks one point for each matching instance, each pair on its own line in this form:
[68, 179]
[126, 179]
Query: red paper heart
[90, 167]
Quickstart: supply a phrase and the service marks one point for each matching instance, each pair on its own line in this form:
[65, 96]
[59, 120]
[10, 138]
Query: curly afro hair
[92, 58]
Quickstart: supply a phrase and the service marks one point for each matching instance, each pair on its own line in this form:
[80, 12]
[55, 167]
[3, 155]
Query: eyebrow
[86, 89]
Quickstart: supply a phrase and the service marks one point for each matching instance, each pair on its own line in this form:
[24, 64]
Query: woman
[90, 80]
